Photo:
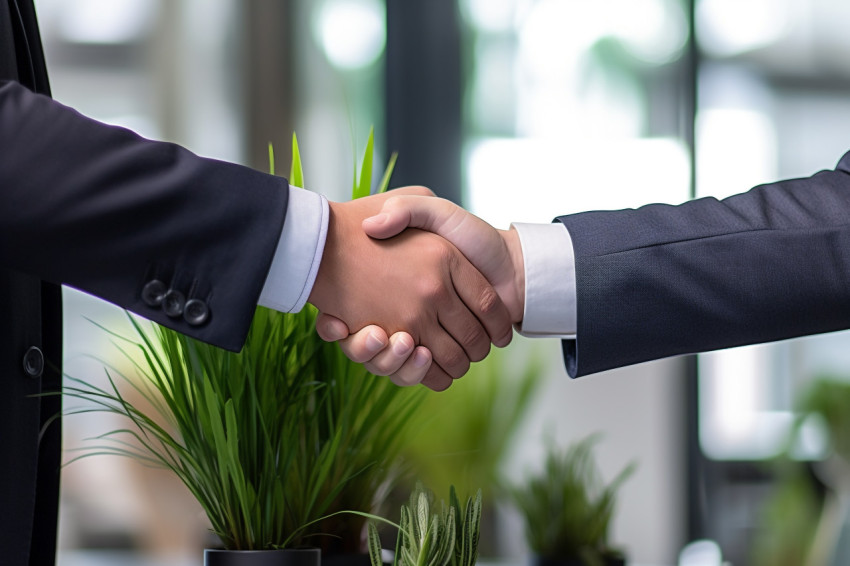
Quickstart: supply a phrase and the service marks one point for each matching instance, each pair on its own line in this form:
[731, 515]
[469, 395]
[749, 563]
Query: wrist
[322, 284]
[514, 247]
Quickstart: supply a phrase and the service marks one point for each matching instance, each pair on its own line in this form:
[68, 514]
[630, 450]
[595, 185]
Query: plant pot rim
[269, 551]
[608, 558]
[279, 557]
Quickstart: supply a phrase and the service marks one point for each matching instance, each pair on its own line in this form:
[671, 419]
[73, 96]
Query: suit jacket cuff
[299, 253]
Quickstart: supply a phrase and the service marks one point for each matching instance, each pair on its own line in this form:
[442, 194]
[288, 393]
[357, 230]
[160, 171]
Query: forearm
[663, 280]
[101, 209]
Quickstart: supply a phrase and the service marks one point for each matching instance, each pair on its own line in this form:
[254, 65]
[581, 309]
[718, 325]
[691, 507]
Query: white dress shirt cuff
[550, 280]
[299, 252]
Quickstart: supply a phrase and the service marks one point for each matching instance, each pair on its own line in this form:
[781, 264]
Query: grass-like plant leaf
[296, 171]
[363, 183]
[468, 529]
[388, 172]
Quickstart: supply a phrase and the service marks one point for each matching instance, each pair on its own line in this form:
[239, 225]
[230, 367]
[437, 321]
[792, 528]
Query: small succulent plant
[428, 536]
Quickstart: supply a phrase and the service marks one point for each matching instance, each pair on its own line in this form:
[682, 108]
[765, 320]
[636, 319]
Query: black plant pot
[286, 557]
[607, 560]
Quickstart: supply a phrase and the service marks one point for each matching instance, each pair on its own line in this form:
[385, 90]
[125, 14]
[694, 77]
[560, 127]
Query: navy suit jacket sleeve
[658, 281]
[103, 210]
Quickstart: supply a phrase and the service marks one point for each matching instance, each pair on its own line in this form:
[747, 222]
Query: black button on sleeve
[154, 292]
[33, 362]
[173, 303]
[196, 312]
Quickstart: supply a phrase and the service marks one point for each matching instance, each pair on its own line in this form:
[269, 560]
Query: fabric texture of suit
[658, 281]
[103, 210]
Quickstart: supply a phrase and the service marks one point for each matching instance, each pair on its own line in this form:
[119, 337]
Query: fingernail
[402, 347]
[374, 343]
[420, 358]
[378, 218]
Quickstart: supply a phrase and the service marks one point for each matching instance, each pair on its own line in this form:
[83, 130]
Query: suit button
[196, 312]
[173, 303]
[33, 362]
[153, 293]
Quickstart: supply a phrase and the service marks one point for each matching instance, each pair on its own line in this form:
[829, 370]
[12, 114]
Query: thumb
[410, 211]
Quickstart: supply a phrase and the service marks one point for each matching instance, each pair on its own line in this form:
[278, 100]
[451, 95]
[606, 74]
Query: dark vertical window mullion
[424, 93]
[695, 465]
[267, 47]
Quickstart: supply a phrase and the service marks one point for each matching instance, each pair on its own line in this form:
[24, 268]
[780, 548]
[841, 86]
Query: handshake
[424, 286]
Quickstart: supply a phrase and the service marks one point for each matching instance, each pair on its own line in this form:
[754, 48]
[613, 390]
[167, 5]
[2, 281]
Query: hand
[416, 282]
[497, 253]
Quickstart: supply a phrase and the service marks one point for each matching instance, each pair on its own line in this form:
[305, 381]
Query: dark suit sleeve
[100, 209]
[658, 281]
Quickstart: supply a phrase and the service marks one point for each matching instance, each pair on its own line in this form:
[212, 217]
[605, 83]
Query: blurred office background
[520, 110]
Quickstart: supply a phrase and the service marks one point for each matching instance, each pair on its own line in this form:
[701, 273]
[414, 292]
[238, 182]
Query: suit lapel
[22, 57]
[31, 38]
[8, 62]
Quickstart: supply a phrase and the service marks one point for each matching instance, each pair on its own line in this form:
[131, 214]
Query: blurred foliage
[830, 399]
[793, 524]
[461, 437]
[567, 507]
[788, 520]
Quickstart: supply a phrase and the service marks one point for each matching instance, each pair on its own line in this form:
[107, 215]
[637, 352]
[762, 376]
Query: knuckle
[432, 289]
[437, 250]
[457, 364]
[473, 336]
[392, 203]
[489, 301]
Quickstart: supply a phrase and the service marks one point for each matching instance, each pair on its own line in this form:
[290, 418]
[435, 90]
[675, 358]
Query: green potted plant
[447, 536]
[567, 509]
[274, 442]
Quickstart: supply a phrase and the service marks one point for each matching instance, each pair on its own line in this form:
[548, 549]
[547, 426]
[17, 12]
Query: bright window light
[555, 35]
[534, 180]
[652, 30]
[106, 21]
[352, 33]
[737, 151]
[729, 27]
[734, 424]
[491, 15]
